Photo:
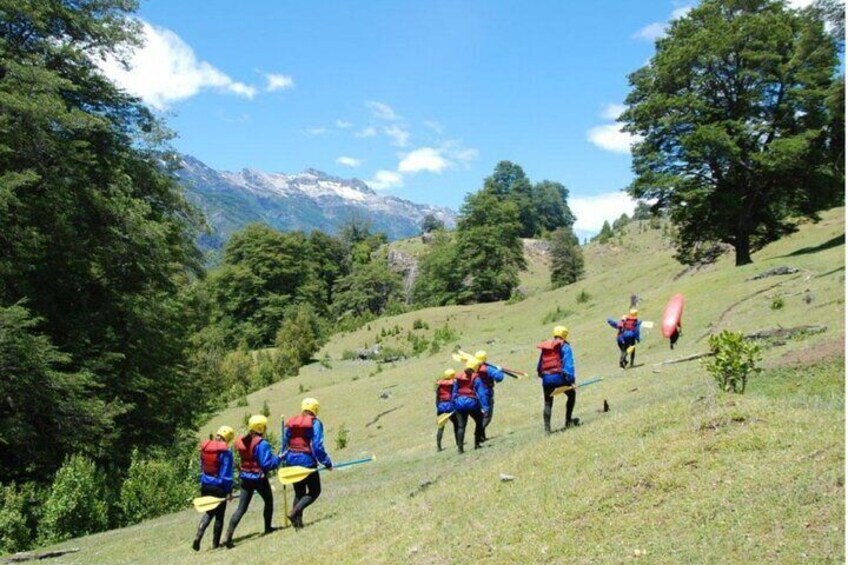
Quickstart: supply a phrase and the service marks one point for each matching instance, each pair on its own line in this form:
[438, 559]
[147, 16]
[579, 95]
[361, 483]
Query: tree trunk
[743, 249]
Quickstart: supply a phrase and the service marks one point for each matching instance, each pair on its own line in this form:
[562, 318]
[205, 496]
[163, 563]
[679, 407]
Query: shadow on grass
[835, 242]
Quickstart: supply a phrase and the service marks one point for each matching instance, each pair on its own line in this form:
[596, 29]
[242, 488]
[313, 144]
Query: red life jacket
[483, 375]
[247, 461]
[444, 388]
[300, 427]
[466, 385]
[209, 452]
[628, 324]
[551, 356]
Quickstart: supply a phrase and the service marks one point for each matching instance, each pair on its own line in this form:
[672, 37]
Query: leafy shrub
[777, 303]
[266, 410]
[517, 296]
[341, 437]
[556, 315]
[14, 532]
[734, 359]
[265, 371]
[445, 334]
[156, 485]
[326, 361]
[76, 505]
[420, 324]
[583, 297]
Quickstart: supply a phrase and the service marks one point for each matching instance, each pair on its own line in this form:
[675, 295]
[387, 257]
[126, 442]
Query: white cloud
[384, 180]
[341, 124]
[382, 111]
[435, 126]
[613, 111]
[651, 32]
[278, 82]
[316, 131]
[370, 131]
[349, 161]
[165, 70]
[655, 30]
[591, 211]
[398, 135]
[611, 138]
[423, 159]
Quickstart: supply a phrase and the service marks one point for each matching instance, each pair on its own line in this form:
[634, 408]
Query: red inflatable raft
[672, 315]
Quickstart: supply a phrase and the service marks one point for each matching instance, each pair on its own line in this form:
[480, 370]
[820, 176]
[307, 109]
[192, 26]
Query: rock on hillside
[304, 201]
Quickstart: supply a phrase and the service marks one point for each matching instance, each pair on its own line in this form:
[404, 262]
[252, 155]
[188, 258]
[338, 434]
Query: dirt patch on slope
[822, 351]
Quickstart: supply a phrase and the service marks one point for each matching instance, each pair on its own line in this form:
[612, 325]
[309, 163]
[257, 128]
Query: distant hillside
[304, 201]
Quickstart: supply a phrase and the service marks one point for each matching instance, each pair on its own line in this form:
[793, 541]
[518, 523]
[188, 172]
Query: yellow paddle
[207, 503]
[463, 357]
[442, 419]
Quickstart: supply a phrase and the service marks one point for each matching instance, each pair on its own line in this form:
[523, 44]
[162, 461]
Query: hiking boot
[228, 544]
[295, 520]
[271, 530]
[460, 449]
[573, 422]
[195, 545]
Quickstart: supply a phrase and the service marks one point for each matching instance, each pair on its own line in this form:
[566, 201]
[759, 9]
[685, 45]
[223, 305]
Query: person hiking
[489, 374]
[303, 445]
[627, 337]
[556, 369]
[255, 462]
[444, 404]
[216, 479]
[470, 398]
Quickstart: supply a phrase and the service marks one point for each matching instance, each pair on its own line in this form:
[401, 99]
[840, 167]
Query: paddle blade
[207, 503]
[442, 419]
[458, 358]
[631, 349]
[291, 475]
[562, 389]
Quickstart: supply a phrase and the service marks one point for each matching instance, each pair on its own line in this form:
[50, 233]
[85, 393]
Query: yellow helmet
[481, 356]
[257, 423]
[310, 404]
[561, 332]
[472, 364]
[634, 312]
[227, 433]
[449, 374]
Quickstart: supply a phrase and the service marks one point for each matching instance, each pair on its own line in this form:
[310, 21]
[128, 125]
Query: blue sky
[418, 99]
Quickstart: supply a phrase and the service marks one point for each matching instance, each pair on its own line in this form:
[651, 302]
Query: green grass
[676, 472]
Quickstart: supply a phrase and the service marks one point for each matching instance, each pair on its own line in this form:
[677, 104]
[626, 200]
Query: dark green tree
[489, 249]
[508, 182]
[439, 280]
[368, 289]
[735, 114]
[431, 223]
[605, 234]
[550, 200]
[46, 413]
[567, 265]
[263, 273]
[95, 233]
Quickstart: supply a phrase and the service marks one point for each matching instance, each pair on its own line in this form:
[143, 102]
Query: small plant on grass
[555, 315]
[266, 410]
[420, 324]
[341, 437]
[516, 296]
[733, 360]
[777, 303]
[583, 297]
[325, 361]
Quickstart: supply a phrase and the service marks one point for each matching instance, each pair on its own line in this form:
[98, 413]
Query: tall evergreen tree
[567, 264]
[736, 114]
[489, 248]
[95, 233]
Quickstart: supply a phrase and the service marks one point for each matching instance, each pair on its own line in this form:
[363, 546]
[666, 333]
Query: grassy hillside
[676, 471]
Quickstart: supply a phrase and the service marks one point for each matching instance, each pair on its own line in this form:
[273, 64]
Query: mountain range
[306, 201]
